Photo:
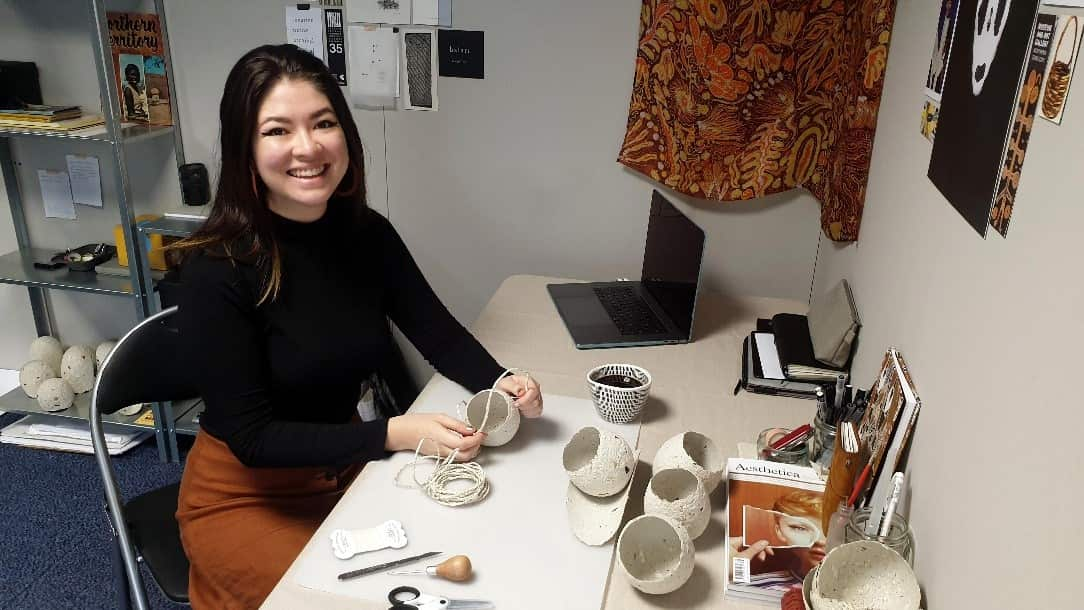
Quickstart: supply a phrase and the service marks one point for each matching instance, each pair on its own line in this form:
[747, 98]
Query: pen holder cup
[619, 391]
[501, 424]
[900, 538]
[796, 455]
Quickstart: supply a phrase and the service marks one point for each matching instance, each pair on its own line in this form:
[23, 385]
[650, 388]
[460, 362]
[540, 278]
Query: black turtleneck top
[281, 379]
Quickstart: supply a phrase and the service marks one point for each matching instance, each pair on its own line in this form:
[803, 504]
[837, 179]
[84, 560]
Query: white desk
[692, 390]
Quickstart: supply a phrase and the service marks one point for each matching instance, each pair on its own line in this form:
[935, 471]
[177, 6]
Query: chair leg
[120, 577]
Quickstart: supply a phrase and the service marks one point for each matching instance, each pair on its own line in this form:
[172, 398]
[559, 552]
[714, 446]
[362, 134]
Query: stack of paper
[47, 432]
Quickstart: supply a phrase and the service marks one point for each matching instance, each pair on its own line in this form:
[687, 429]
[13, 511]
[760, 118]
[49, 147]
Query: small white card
[56, 194]
[769, 356]
[86, 180]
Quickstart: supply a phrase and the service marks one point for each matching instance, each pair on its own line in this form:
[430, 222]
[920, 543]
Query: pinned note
[56, 194]
[86, 180]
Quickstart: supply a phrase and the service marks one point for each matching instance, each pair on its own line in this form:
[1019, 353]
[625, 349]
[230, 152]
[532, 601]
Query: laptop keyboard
[629, 311]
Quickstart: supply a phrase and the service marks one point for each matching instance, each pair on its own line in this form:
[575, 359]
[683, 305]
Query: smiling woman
[285, 297]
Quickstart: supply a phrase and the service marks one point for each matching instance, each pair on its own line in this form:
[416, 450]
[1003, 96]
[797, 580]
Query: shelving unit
[17, 267]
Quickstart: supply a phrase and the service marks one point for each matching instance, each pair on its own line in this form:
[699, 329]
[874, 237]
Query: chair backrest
[141, 368]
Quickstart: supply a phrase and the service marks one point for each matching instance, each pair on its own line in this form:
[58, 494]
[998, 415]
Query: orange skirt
[242, 527]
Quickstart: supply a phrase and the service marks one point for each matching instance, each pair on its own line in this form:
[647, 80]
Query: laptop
[656, 310]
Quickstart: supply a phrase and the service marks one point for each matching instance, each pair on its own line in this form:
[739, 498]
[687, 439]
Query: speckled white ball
[679, 494]
[48, 350]
[32, 375]
[656, 554]
[102, 351]
[598, 462]
[77, 368]
[693, 452]
[55, 394]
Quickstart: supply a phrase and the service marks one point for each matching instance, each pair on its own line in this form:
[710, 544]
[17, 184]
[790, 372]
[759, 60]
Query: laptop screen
[672, 258]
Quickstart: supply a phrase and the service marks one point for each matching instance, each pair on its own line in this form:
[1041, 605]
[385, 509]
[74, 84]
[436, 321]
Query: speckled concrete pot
[864, 574]
[678, 494]
[48, 350]
[55, 395]
[32, 374]
[693, 452]
[656, 554]
[598, 462]
[503, 421]
[77, 368]
[101, 352]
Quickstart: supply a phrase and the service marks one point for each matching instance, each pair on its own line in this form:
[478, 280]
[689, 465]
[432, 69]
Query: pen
[841, 387]
[890, 506]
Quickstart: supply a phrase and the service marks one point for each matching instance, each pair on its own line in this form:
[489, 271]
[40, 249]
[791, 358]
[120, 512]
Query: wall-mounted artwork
[946, 27]
[928, 123]
[1013, 163]
[1059, 73]
[978, 104]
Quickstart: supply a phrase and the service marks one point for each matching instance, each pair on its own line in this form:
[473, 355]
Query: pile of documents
[48, 118]
[45, 432]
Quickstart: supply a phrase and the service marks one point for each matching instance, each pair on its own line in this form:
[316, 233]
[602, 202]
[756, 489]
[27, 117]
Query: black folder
[795, 349]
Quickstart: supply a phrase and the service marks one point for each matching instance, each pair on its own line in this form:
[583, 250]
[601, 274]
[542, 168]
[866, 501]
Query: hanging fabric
[738, 99]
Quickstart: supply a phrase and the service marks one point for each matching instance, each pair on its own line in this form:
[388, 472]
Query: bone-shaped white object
[347, 543]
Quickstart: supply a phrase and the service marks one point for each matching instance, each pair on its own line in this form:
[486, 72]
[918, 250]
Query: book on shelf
[40, 112]
[885, 431]
[773, 532]
[140, 68]
[65, 125]
[47, 432]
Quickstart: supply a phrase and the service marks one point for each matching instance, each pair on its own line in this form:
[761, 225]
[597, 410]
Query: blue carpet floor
[55, 538]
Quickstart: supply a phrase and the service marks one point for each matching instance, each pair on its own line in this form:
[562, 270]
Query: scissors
[409, 598]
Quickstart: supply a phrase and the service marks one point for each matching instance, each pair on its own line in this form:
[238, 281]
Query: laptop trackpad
[586, 311]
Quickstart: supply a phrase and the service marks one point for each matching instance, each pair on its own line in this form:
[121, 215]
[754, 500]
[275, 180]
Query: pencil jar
[900, 538]
[822, 443]
[619, 391]
[1057, 83]
[798, 454]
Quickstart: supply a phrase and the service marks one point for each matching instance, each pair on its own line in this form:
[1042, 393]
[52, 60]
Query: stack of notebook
[45, 432]
[47, 118]
[793, 354]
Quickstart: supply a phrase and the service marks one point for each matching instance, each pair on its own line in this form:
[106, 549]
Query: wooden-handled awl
[456, 569]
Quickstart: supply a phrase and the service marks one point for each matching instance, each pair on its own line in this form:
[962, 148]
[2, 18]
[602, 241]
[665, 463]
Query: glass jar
[822, 443]
[795, 455]
[900, 538]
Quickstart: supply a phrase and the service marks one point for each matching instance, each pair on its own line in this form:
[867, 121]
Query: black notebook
[795, 349]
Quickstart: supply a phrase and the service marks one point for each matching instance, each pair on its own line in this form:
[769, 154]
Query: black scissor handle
[396, 597]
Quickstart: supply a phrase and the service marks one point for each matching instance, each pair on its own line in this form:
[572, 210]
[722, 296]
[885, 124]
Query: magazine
[773, 530]
[140, 67]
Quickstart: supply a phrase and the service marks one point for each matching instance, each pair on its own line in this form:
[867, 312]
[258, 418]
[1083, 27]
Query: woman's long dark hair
[240, 223]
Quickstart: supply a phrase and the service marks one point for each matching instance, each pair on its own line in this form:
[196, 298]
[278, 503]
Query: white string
[438, 485]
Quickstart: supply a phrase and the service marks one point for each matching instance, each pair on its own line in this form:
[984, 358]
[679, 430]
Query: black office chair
[145, 528]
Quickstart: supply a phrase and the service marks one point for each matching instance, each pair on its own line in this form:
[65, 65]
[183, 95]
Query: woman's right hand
[447, 433]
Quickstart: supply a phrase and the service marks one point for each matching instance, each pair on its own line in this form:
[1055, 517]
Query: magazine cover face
[779, 531]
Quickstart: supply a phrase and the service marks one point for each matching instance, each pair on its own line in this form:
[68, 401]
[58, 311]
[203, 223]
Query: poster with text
[1059, 72]
[1020, 135]
[978, 103]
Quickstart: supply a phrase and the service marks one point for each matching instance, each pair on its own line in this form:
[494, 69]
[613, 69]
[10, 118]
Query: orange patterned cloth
[737, 99]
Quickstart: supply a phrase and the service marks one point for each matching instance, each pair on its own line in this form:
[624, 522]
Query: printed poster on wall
[978, 104]
[1025, 119]
[946, 26]
[928, 123]
[1059, 73]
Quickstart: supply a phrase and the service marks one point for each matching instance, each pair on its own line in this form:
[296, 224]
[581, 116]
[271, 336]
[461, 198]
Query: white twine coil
[438, 485]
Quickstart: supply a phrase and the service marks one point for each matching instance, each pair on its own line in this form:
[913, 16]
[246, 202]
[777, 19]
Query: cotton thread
[438, 485]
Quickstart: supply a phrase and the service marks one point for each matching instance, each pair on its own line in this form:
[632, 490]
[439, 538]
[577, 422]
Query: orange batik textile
[737, 99]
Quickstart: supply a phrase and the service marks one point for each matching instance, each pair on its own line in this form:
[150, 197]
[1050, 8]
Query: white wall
[515, 174]
[991, 330]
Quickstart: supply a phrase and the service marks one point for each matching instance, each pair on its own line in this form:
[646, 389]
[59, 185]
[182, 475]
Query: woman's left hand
[526, 391]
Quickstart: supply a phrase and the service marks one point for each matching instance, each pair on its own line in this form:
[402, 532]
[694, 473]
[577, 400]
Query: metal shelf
[185, 424]
[171, 227]
[17, 401]
[18, 268]
[129, 133]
